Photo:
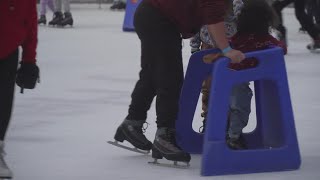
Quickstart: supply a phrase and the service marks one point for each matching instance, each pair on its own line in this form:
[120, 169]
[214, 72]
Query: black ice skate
[236, 143]
[315, 46]
[165, 146]
[132, 131]
[57, 17]
[118, 5]
[67, 20]
[42, 20]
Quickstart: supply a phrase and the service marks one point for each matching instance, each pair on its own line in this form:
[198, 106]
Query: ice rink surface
[59, 130]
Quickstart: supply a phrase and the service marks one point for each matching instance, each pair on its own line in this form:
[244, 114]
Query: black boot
[165, 145]
[118, 5]
[57, 17]
[68, 20]
[315, 45]
[236, 143]
[131, 131]
[42, 20]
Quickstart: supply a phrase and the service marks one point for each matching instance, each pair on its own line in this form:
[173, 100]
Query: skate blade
[115, 143]
[5, 178]
[175, 164]
[316, 51]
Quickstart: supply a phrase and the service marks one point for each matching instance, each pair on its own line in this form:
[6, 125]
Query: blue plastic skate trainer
[272, 146]
[129, 14]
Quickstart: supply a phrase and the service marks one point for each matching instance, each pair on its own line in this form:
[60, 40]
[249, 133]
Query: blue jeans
[240, 108]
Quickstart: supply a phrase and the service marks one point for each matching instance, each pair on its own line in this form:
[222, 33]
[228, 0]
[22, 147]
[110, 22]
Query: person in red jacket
[160, 26]
[253, 25]
[18, 21]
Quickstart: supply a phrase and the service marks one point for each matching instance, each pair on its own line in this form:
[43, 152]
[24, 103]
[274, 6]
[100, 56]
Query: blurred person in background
[19, 27]
[59, 18]
[118, 5]
[305, 21]
[43, 10]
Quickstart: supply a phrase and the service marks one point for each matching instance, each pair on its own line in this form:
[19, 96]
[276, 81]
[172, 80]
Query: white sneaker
[5, 172]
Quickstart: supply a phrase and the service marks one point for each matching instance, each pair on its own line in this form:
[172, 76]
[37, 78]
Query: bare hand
[235, 56]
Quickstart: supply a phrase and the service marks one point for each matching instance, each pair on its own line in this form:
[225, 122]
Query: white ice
[59, 130]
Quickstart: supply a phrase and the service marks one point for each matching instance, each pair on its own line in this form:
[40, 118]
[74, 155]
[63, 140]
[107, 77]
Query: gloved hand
[27, 76]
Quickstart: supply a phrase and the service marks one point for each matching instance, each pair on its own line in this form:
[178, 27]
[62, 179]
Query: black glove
[27, 76]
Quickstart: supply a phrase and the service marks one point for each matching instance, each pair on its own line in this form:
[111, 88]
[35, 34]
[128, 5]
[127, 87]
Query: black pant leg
[8, 68]
[161, 54]
[304, 20]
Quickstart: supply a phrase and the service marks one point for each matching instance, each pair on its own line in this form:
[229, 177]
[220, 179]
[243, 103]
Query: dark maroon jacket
[253, 42]
[18, 27]
[190, 15]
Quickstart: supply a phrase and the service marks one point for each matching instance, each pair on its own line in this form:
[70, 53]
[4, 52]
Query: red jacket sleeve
[29, 46]
[212, 11]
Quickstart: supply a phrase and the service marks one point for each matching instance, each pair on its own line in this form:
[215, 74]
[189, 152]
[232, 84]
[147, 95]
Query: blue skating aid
[272, 146]
[129, 14]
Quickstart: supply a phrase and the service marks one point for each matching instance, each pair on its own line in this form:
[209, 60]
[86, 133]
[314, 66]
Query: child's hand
[235, 56]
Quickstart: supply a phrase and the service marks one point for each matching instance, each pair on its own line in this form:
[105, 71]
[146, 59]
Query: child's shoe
[236, 143]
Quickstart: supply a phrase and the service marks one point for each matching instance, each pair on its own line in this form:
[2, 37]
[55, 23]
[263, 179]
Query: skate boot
[132, 131]
[67, 20]
[118, 5]
[42, 20]
[302, 30]
[236, 143]
[164, 145]
[5, 172]
[315, 46]
[57, 17]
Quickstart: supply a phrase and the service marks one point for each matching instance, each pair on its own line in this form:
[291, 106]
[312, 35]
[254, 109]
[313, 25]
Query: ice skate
[118, 5]
[314, 47]
[57, 17]
[5, 172]
[42, 20]
[67, 20]
[165, 146]
[132, 131]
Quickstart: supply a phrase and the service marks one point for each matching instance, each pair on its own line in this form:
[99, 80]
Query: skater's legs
[165, 58]
[8, 68]
[43, 7]
[51, 5]
[66, 6]
[58, 5]
[304, 20]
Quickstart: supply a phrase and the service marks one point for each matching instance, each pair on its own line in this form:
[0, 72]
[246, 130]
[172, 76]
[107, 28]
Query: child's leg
[43, 8]
[8, 68]
[240, 108]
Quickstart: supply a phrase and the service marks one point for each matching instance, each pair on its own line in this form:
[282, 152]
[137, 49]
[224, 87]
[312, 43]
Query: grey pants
[240, 108]
[66, 5]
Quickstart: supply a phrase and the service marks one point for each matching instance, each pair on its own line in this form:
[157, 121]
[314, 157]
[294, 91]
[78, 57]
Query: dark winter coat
[18, 27]
[190, 15]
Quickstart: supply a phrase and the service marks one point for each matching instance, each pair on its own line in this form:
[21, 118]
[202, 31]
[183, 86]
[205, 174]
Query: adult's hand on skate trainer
[235, 56]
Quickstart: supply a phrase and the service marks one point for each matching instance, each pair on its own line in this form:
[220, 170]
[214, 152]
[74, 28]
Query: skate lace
[170, 137]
